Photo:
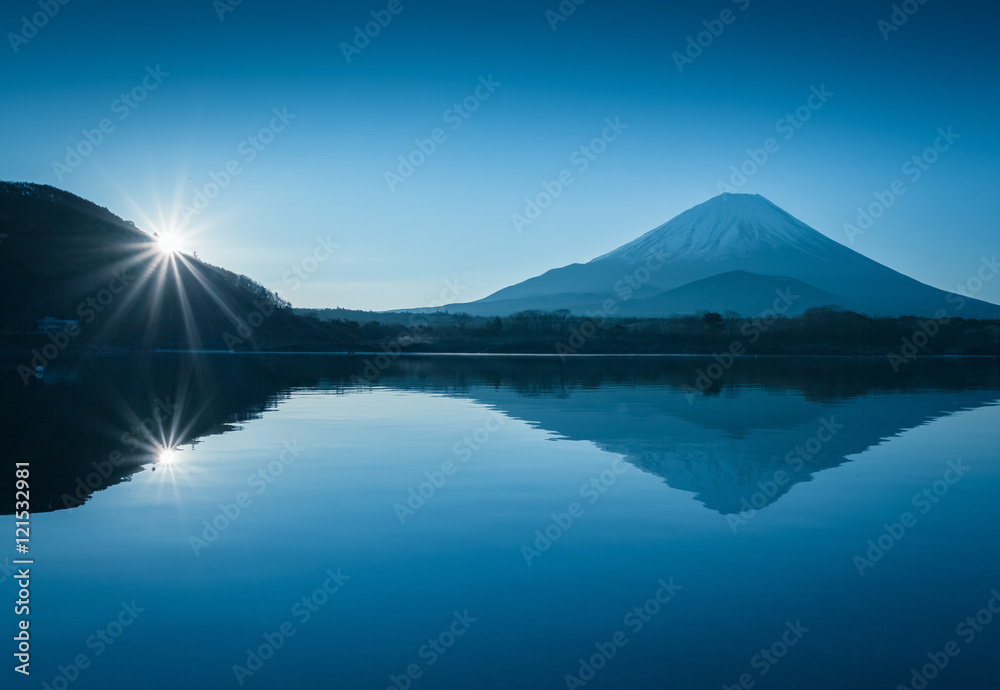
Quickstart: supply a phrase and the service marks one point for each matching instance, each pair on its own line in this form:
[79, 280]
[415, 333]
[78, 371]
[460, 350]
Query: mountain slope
[64, 257]
[739, 291]
[729, 233]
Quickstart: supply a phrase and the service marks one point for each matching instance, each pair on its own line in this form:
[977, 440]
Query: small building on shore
[50, 324]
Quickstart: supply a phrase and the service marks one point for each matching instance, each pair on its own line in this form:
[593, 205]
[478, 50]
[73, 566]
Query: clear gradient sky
[323, 174]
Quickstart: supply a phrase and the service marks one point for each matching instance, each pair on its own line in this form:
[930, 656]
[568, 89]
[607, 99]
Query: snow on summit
[727, 226]
[733, 252]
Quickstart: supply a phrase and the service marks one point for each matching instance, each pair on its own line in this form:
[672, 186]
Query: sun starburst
[168, 243]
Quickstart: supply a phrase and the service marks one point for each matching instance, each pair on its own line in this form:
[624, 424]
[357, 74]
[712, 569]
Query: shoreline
[8, 357]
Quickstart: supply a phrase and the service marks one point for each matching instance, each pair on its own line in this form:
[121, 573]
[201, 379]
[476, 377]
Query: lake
[226, 521]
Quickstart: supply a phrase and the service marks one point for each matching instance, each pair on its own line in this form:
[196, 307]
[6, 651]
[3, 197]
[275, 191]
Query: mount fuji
[735, 252]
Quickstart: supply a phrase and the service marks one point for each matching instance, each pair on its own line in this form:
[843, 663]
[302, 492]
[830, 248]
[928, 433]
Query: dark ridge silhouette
[67, 258]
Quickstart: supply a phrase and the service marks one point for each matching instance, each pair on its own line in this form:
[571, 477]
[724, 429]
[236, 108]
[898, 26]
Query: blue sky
[218, 82]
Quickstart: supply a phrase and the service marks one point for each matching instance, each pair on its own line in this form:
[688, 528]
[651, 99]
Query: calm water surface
[509, 523]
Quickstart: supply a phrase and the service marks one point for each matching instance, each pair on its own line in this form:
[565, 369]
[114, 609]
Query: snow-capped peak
[726, 226]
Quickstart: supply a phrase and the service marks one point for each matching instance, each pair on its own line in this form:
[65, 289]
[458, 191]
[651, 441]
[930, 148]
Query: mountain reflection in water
[89, 424]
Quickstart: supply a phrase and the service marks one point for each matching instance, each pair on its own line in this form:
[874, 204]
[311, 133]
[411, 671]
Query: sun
[168, 243]
[168, 456]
